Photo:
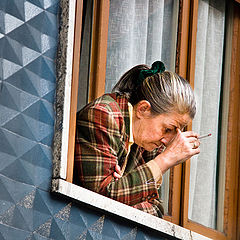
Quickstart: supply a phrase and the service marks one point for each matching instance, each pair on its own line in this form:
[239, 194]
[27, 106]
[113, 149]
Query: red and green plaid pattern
[102, 135]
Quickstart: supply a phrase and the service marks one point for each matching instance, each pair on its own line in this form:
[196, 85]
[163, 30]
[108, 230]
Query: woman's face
[151, 131]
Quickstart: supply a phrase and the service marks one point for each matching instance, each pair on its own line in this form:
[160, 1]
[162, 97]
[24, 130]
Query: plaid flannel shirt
[102, 135]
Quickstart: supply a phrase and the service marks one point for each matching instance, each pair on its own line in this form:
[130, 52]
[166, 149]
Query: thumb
[179, 131]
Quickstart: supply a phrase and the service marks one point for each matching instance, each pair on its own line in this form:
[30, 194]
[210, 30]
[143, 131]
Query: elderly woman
[126, 140]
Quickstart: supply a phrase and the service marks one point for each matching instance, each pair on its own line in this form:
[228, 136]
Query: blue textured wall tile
[39, 3]
[27, 36]
[54, 8]
[22, 81]
[11, 50]
[16, 8]
[7, 100]
[47, 140]
[47, 24]
[54, 204]
[36, 236]
[5, 145]
[39, 155]
[5, 159]
[42, 67]
[78, 222]
[41, 111]
[18, 220]
[82, 214]
[51, 53]
[16, 190]
[6, 200]
[15, 197]
[13, 144]
[10, 233]
[20, 126]
[18, 172]
[20, 100]
[116, 229]
[2, 25]
[59, 229]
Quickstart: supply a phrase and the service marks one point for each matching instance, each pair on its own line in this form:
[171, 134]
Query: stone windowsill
[114, 207]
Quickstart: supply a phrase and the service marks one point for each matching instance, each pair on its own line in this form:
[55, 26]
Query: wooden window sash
[74, 89]
[99, 48]
[186, 47]
[231, 200]
[182, 66]
[97, 66]
[233, 144]
[190, 75]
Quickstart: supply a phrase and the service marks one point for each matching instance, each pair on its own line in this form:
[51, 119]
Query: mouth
[160, 144]
[157, 145]
[153, 146]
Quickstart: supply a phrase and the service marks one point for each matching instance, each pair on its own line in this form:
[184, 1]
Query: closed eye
[168, 130]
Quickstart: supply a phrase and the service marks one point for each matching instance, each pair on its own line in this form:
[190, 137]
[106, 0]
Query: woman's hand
[117, 174]
[182, 147]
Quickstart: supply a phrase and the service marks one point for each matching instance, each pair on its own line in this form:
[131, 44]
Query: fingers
[118, 169]
[195, 151]
[195, 143]
[190, 134]
[117, 174]
[178, 130]
[191, 137]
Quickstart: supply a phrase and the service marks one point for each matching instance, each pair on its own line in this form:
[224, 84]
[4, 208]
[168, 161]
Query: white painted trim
[101, 202]
[67, 91]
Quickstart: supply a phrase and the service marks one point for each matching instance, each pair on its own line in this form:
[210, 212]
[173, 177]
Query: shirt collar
[130, 110]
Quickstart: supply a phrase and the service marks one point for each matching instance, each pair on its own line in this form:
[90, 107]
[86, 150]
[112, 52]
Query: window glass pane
[141, 32]
[85, 53]
[207, 86]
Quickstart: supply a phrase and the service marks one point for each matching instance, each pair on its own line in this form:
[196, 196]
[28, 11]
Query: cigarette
[204, 136]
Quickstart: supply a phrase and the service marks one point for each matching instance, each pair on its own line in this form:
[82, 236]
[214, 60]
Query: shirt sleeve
[156, 172]
[153, 207]
[99, 140]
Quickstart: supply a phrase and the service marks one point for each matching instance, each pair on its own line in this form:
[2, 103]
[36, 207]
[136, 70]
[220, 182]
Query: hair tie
[157, 67]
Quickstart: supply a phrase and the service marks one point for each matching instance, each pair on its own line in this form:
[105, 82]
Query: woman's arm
[98, 143]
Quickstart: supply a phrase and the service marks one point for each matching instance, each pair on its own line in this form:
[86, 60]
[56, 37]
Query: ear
[143, 109]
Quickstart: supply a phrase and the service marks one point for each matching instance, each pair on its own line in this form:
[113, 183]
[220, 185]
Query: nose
[164, 141]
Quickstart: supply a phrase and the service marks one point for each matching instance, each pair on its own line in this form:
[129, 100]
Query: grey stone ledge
[106, 204]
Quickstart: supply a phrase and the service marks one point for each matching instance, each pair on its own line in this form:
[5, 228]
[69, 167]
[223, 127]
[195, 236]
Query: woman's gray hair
[166, 92]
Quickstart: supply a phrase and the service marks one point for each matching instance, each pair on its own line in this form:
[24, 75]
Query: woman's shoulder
[107, 109]
[111, 103]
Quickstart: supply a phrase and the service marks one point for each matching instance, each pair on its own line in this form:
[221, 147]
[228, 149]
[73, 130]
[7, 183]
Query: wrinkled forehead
[177, 120]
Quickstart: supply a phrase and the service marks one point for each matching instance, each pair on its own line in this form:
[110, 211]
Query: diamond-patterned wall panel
[28, 43]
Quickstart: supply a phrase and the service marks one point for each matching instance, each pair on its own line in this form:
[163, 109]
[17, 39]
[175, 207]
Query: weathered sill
[114, 207]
